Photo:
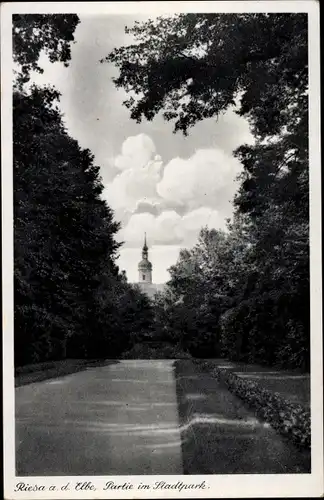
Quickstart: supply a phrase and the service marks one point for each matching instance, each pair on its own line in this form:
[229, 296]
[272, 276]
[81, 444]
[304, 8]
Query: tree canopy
[244, 293]
[194, 66]
[33, 34]
[70, 298]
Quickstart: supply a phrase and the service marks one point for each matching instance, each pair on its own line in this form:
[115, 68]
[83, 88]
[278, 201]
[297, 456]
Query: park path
[134, 417]
[119, 419]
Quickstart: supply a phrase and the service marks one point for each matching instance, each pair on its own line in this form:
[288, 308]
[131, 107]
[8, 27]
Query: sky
[157, 182]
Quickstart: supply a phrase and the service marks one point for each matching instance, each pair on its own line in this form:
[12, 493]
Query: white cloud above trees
[204, 179]
[170, 202]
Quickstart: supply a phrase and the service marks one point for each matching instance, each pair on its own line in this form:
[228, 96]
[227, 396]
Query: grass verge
[292, 420]
[38, 372]
[220, 434]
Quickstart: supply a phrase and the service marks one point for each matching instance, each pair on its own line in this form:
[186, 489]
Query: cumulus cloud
[141, 172]
[132, 233]
[205, 179]
[162, 229]
[151, 207]
[192, 222]
[170, 203]
[170, 228]
[136, 153]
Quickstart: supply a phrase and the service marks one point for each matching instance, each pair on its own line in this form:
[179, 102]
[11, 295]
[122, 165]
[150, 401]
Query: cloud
[205, 179]
[192, 223]
[171, 203]
[170, 228]
[135, 185]
[163, 229]
[143, 206]
[136, 153]
[138, 224]
[167, 228]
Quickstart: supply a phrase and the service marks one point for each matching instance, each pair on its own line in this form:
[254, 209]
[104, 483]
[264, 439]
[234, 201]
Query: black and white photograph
[162, 317]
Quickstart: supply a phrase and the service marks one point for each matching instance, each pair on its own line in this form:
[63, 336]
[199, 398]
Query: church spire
[145, 248]
[145, 245]
[145, 266]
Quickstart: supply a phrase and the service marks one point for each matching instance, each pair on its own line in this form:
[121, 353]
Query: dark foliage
[70, 299]
[244, 294]
[193, 66]
[37, 33]
[290, 419]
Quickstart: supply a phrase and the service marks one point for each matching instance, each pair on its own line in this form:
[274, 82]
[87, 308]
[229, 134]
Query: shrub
[290, 419]
[145, 351]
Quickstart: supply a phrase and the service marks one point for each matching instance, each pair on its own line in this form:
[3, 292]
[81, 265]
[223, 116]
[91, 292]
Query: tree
[196, 295]
[37, 33]
[195, 66]
[70, 299]
[64, 233]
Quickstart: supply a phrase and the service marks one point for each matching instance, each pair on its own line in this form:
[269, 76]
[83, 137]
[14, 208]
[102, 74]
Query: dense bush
[147, 351]
[290, 419]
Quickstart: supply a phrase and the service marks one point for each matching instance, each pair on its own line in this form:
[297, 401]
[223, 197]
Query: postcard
[161, 187]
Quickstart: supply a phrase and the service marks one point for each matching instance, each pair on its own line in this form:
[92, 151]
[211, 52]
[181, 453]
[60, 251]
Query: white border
[220, 486]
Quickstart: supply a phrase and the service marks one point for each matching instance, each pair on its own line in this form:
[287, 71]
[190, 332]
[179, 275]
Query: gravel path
[120, 419]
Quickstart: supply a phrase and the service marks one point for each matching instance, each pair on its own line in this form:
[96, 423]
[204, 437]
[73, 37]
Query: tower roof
[145, 247]
[145, 265]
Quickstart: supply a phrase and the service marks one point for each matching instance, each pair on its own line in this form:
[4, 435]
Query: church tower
[145, 266]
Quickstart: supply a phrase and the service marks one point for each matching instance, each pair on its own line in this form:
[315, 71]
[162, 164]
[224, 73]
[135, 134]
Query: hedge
[145, 351]
[290, 419]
